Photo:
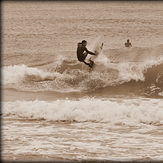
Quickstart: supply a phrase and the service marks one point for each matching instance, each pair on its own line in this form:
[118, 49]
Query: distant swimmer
[128, 44]
[82, 53]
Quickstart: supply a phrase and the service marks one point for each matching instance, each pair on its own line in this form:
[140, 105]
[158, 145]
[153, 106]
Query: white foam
[160, 94]
[135, 70]
[131, 112]
[75, 79]
[16, 73]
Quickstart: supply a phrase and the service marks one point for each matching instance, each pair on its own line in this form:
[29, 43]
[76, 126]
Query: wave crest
[71, 75]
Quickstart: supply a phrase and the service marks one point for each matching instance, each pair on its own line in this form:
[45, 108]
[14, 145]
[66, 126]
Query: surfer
[128, 44]
[82, 53]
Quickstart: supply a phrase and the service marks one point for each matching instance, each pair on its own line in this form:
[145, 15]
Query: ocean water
[54, 108]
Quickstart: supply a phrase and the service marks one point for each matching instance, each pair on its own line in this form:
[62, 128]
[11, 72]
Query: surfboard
[96, 48]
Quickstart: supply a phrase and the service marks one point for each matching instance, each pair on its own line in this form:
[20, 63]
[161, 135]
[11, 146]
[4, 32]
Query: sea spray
[67, 74]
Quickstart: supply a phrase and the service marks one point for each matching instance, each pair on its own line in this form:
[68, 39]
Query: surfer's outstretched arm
[89, 52]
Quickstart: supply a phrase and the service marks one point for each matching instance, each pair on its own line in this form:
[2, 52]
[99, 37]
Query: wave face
[117, 112]
[138, 70]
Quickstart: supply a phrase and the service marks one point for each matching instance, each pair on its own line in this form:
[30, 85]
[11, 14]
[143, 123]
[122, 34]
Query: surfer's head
[84, 42]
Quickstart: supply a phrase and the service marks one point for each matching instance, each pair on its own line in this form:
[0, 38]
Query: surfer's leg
[89, 64]
[86, 63]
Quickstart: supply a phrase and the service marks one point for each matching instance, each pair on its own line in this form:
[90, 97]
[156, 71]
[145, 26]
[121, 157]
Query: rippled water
[55, 109]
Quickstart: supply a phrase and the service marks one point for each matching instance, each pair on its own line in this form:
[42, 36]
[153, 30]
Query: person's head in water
[84, 43]
[128, 44]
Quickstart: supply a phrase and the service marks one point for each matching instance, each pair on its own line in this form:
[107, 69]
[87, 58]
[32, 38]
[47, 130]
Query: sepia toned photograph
[82, 81]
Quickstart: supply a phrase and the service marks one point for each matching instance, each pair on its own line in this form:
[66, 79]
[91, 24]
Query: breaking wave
[139, 68]
[113, 111]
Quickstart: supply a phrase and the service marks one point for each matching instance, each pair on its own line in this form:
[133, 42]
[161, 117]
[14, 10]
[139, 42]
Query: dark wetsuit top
[81, 55]
[127, 44]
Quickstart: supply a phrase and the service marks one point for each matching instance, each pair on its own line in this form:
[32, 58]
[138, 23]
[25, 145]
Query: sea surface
[55, 109]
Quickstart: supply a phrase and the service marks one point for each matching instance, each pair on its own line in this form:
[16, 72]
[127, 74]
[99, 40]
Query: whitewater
[55, 109]
[143, 66]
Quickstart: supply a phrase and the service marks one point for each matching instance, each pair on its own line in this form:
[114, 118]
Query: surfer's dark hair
[84, 41]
